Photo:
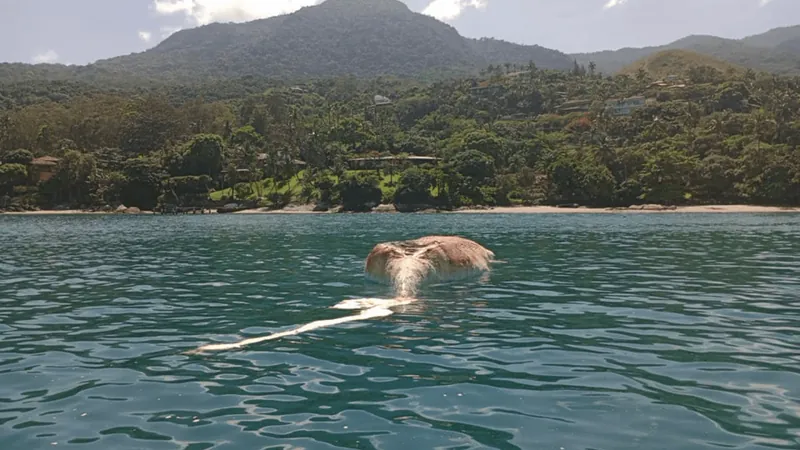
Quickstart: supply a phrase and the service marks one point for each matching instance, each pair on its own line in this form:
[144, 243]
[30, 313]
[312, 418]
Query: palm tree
[760, 119]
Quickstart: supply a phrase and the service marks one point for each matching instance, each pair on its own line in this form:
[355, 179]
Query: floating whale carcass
[403, 264]
[407, 264]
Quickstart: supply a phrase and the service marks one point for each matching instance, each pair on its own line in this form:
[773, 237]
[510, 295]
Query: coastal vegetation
[515, 135]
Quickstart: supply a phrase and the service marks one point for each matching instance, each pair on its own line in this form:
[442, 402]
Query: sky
[83, 31]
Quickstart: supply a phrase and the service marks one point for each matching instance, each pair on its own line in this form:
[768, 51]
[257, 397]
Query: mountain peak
[386, 5]
[337, 37]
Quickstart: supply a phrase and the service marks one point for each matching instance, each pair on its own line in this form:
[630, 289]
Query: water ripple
[599, 332]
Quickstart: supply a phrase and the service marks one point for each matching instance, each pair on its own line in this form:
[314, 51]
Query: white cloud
[48, 57]
[613, 3]
[764, 2]
[146, 36]
[202, 12]
[450, 9]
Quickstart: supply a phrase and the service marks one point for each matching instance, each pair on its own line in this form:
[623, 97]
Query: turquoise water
[599, 332]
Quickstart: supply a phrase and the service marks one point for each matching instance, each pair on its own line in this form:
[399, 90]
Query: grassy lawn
[266, 186]
[294, 185]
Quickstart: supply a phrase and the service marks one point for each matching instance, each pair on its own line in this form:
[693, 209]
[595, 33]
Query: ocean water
[629, 331]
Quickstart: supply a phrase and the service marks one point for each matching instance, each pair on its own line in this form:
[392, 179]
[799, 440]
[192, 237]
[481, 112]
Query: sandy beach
[680, 209]
[54, 212]
[49, 212]
[651, 209]
[556, 210]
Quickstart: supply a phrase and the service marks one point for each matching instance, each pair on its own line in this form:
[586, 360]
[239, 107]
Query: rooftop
[45, 161]
[399, 158]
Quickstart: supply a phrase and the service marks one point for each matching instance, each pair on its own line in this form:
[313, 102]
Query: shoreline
[635, 210]
[495, 210]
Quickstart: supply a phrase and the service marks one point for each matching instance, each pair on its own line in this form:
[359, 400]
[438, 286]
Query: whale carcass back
[408, 263]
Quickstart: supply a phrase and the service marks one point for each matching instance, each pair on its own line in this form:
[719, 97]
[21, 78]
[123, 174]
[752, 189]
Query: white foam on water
[366, 303]
[372, 308]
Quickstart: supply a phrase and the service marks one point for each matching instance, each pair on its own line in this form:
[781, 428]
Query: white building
[625, 106]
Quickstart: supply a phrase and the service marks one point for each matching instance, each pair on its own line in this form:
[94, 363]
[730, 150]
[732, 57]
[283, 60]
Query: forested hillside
[517, 135]
[775, 51]
[677, 63]
[364, 38]
[371, 38]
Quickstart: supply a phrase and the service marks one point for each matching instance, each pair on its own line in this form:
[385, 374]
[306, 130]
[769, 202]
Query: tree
[204, 156]
[74, 180]
[414, 187]
[716, 178]
[666, 177]
[12, 175]
[470, 169]
[144, 177]
[188, 190]
[488, 144]
[473, 164]
[359, 192]
[580, 180]
[148, 125]
[20, 156]
[109, 188]
[704, 74]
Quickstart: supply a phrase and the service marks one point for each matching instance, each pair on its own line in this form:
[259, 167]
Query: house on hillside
[625, 106]
[380, 100]
[670, 81]
[382, 162]
[263, 157]
[577, 105]
[486, 88]
[518, 117]
[517, 73]
[42, 169]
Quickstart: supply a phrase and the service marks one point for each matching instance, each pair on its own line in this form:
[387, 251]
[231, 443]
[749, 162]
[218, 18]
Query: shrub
[360, 192]
[414, 187]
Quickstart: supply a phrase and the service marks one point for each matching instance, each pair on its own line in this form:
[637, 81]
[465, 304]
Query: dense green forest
[515, 135]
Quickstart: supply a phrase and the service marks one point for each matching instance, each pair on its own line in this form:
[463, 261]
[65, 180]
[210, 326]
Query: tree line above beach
[515, 135]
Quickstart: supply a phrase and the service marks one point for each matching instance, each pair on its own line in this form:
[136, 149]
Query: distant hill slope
[773, 51]
[676, 62]
[791, 45]
[494, 51]
[773, 38]
[338, 37]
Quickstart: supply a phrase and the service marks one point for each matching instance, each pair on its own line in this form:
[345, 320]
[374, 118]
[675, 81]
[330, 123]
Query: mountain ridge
[773, 51]
[369, 38]
[677, 63]
[364, 38]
